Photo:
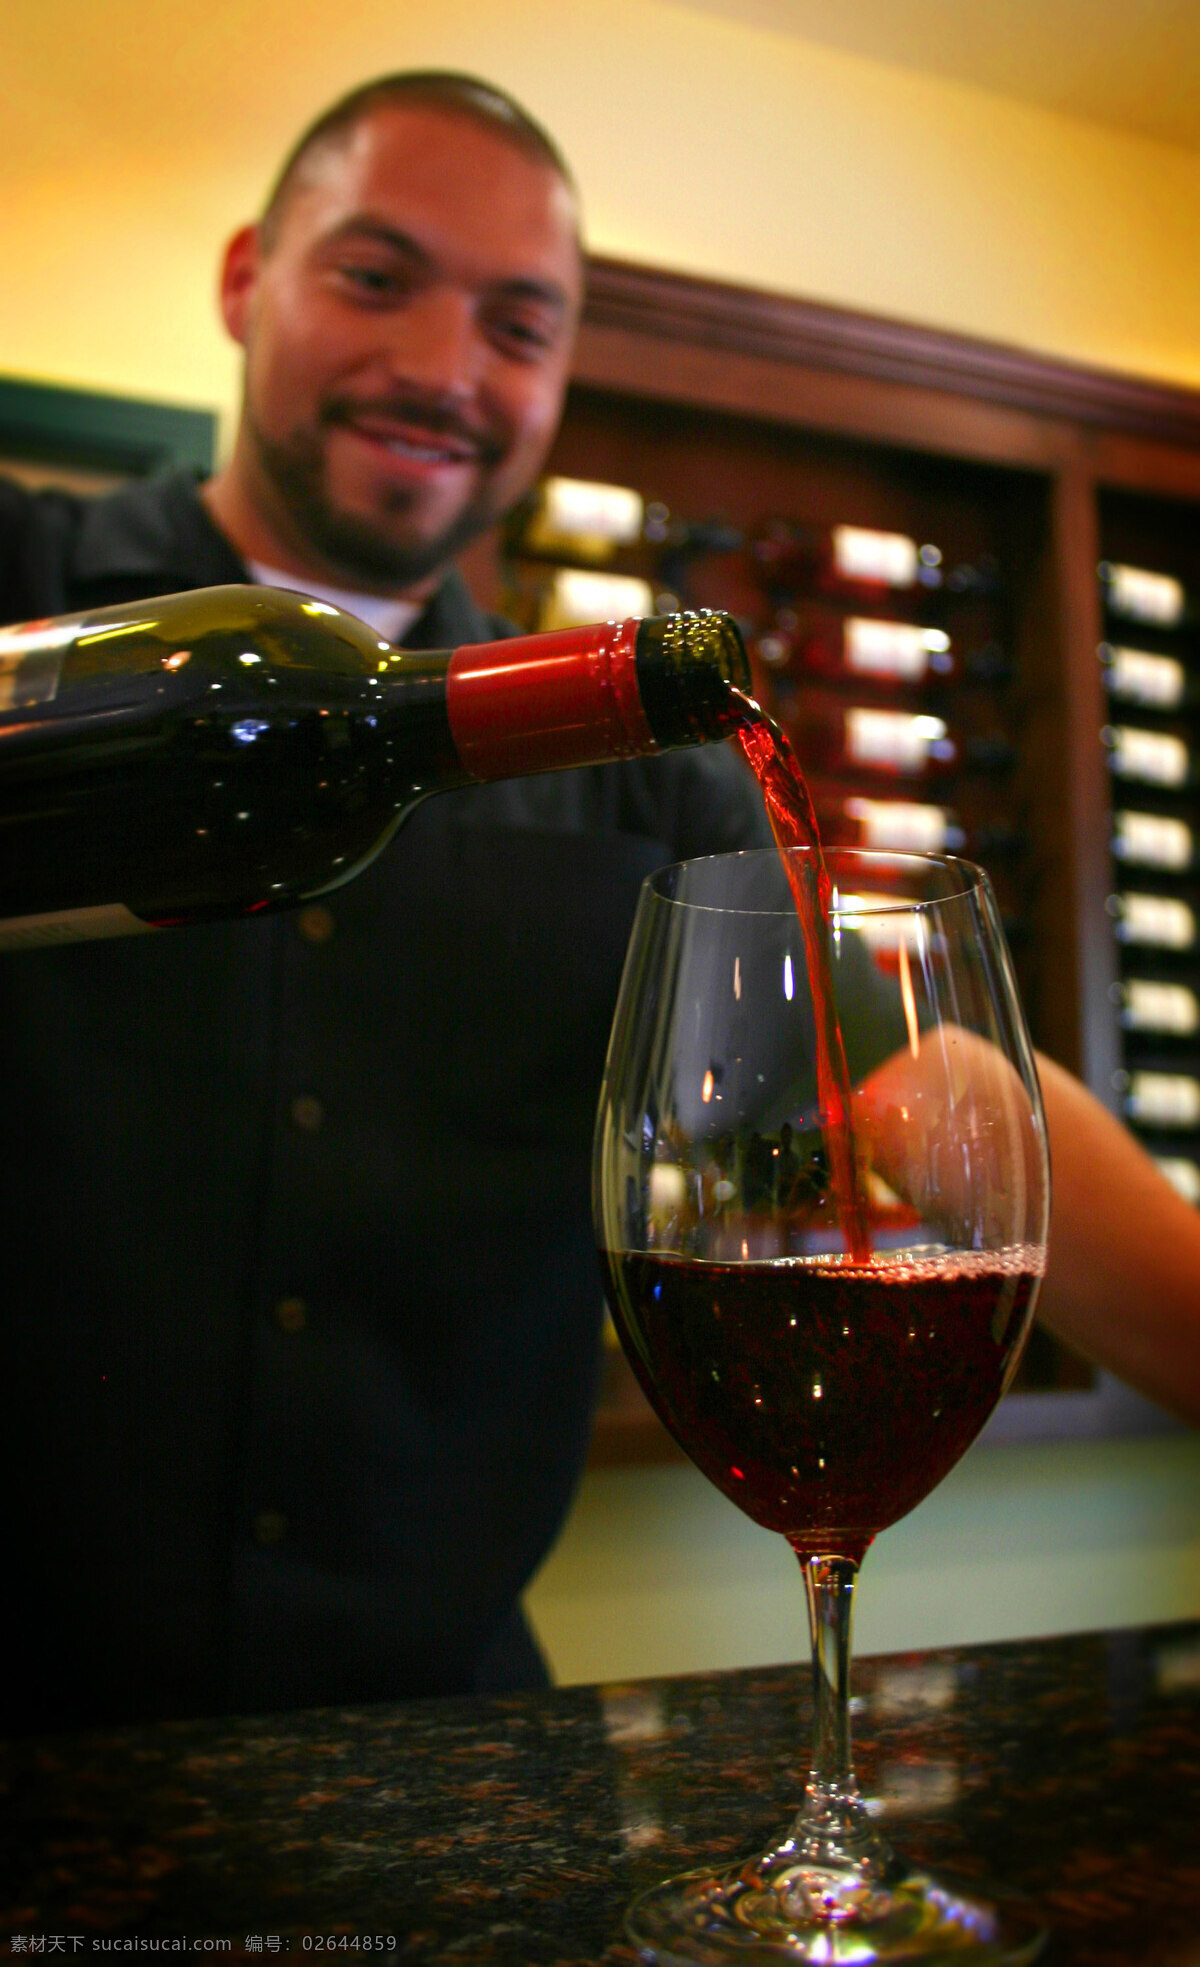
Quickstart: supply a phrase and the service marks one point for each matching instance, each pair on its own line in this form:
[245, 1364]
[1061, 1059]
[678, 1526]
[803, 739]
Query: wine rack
[897, 686]
[731, 413]
[1150, 665]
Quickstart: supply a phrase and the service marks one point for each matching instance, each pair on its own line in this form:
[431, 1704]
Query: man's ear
[239, 281]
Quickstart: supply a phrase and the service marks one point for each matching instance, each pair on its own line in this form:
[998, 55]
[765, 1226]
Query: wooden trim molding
[679, 307]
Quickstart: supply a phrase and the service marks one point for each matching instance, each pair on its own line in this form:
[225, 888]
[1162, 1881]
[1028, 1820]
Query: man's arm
[1123, 1272]
[1122, 1282]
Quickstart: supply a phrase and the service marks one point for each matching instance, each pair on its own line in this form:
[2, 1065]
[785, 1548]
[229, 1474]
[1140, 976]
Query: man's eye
[523, 335]
[372, 280]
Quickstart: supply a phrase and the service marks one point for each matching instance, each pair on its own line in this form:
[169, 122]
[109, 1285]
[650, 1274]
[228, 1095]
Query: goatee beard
[356, 551]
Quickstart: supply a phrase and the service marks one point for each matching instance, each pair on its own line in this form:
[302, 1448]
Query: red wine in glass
[822, 1221]
[824, 1399]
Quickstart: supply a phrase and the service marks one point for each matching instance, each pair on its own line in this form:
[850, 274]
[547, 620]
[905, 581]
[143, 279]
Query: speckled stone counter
[516, 1830]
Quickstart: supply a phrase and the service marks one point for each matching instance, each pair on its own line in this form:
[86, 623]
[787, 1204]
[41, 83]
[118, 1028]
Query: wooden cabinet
[727, 403]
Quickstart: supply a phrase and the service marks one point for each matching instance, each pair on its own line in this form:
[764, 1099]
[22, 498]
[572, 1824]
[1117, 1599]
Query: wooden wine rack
[728, 403]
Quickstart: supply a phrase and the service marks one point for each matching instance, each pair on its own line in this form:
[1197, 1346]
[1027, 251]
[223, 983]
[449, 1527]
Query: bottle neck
[534, 703]
[587, 695]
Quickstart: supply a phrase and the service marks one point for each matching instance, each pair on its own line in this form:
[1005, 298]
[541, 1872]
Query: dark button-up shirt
[301, 1301]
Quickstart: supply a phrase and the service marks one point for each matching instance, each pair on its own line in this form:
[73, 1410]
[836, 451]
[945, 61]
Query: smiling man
[407, 306]
[302, 1305]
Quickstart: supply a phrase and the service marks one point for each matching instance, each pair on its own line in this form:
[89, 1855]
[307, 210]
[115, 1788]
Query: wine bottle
[790, 557]
[572, 597]
[1163, 1009]
[1153, 921]
[1153, 840]
[851, 740]
[1142, 677]
[583, 524]
[579, 519]
[909, 826]
[238, 749]
[1140, 595]
[890, 825]
[1150, 757]
[1161, 1099]
[856, 647]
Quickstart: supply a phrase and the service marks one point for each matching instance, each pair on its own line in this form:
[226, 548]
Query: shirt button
[315, 923]
[270, 1527]
[307, 1113]
[291, 1314]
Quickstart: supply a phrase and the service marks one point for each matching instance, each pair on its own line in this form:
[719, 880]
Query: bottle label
[577, 516]
[71, 925]
[1154, 756]
[1136, 676]
[891, 740]
[901, 825]
[896, 649]
[31, 659]
[576, 598]
[1157, 921]
[1144, 597]
[861, 554]
[1169, 1007]
[1152, 840]
[1164, 1099]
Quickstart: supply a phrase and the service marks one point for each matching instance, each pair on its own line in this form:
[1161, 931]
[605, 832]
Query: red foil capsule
[533, 703]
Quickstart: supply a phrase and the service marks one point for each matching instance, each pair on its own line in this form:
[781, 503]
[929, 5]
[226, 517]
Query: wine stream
[794, 824]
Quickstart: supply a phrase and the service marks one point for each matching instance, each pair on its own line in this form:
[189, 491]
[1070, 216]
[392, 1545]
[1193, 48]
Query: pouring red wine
[821, 1197]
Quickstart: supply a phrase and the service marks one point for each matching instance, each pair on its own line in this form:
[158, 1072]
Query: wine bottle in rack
[890, 825]
[570, 597]
[1145, 678]
[590, 526]
[855, 739]
[1139, 594]
[1158, 840]
[1153, 921]
[1160, 1100]
[858, 648]
[577, 520]
[791, 557]
[238, 749]
[1159, 758]
[1157, 1007]
[909, 826]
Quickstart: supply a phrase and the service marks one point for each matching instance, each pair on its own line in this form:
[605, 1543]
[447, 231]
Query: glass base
[753, 1914]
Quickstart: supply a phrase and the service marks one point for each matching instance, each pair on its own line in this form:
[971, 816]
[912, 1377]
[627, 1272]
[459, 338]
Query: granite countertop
[515, 1830]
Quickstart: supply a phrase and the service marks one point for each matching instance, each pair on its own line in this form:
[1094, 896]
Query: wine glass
[823, 1277]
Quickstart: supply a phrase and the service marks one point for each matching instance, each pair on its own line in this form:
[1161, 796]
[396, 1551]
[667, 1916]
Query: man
[303, 1307]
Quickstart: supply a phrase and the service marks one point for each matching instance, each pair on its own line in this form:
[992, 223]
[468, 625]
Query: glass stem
[834, 1825]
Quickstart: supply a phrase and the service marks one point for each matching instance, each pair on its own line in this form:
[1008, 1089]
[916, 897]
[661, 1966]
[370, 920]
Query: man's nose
[435, 344]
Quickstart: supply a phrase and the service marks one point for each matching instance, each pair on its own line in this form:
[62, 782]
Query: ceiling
[1133, 65]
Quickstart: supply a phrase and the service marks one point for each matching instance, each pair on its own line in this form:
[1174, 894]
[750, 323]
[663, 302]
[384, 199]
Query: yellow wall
[136, 137]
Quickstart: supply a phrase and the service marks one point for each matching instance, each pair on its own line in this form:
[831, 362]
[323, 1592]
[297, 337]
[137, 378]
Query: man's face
[407, 340]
